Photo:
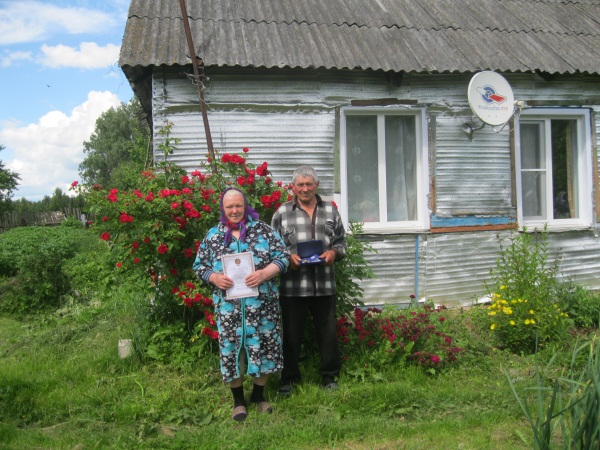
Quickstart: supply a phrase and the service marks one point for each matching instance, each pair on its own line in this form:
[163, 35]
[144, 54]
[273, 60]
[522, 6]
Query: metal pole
[197, 76]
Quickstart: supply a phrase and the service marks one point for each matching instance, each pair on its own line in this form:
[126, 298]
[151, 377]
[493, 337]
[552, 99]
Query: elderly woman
[251, 324]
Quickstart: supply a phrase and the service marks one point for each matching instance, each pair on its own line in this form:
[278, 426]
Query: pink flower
[174, 205]
[74, 183]
[435, 359]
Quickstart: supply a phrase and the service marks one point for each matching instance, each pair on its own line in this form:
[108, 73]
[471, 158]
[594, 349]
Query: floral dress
[252, 324]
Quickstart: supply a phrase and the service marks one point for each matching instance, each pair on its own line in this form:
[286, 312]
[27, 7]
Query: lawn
[63, 386]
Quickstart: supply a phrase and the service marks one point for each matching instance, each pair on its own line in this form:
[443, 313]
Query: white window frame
[583, 182]
[422, 158]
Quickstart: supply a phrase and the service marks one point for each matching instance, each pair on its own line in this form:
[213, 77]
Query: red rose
[105, 236]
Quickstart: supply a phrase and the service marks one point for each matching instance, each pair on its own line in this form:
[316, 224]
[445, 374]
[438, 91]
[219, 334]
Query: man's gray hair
[305, 171]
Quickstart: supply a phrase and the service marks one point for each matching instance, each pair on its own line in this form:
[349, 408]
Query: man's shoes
[329, 383]
[285, 390]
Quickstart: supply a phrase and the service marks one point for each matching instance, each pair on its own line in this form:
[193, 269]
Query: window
[554, 168]
[384, 168]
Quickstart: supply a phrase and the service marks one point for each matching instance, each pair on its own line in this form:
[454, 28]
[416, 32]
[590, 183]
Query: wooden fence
[13, 219]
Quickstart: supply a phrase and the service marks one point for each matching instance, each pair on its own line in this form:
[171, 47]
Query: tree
[8, 182]
[118, 148]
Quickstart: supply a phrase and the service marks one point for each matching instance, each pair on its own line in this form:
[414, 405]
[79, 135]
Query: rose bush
[154, 230]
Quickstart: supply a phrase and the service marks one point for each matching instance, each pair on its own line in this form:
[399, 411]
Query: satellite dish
[491, 98]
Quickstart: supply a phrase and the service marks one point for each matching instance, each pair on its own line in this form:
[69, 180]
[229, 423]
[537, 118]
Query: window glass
[564, 190]
[554, 145]
[401, 170]
[362, 160]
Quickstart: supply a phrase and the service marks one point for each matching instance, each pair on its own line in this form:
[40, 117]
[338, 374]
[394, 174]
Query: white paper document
[237, 267]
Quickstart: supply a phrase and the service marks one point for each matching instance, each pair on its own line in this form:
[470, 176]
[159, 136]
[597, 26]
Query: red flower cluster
[271, 201]
[234, 159]
[125, 218]
[413, 335]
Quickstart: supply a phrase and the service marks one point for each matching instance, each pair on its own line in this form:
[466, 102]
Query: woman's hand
[221, 281]
[257, 278]
[295, 261]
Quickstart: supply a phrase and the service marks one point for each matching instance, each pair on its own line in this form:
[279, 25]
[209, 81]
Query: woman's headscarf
[241, 225]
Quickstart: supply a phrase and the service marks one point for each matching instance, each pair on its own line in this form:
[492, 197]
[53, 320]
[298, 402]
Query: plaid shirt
[295, 225]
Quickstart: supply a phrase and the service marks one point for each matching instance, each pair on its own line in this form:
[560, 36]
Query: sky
[59, 72]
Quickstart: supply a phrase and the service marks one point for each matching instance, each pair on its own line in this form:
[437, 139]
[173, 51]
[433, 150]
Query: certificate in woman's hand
[237, 267]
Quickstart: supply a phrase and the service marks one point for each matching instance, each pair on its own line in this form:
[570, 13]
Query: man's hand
[329, 256]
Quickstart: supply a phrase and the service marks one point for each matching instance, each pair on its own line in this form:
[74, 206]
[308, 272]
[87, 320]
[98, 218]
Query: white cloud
[89, 56]
[9, 58]
[29, 21]
[47, 154]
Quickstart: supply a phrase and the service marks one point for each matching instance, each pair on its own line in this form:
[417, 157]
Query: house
[373, 94]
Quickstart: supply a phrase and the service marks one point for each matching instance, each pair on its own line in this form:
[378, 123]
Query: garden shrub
[525, 305]
[36, 256]
[352, 268]
[392, 337]
[583, 305]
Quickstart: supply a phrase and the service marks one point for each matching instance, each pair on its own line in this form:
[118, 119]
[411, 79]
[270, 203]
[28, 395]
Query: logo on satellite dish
[489, 95]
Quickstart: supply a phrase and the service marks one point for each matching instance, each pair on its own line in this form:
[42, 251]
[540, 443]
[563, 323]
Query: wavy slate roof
[553, 36]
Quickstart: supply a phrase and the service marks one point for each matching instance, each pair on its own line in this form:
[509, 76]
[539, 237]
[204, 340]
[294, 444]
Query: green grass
[63, 386]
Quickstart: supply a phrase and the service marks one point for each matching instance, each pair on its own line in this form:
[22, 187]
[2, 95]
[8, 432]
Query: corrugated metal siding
[458, 265]
[290, 120]
[398, 269]
[472, 176]
[285, 136]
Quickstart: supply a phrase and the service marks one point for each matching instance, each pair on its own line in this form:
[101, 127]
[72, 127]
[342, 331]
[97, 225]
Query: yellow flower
[512, 322]
[513, 302]
[532, 321]
[492, 313]
[527, 321]
[531, 311]
[502, 287]
[493, 327]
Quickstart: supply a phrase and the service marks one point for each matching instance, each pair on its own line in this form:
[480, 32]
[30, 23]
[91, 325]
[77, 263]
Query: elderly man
[309, 287]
